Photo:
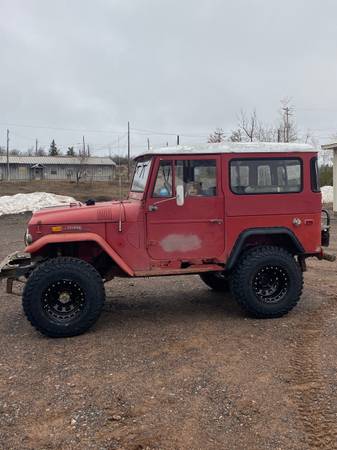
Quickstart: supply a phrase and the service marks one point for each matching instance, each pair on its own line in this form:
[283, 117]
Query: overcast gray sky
[167, 66]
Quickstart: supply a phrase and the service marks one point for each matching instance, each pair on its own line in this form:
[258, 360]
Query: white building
[333, 147]
[25, 168]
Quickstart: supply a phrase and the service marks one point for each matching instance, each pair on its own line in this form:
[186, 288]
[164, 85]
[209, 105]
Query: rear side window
[315, 186]
[265, 176]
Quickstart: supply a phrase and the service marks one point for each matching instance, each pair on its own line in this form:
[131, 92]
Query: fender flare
[239, 243]
[79, 237]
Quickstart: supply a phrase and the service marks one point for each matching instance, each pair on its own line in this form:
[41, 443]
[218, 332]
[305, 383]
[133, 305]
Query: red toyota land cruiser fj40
[242, 216]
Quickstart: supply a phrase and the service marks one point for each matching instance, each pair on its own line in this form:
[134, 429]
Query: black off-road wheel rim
[271, 284]
[63, 301]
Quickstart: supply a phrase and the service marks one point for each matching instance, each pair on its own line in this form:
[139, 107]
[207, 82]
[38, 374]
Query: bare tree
[81, 171]
[248, 125]
[251, 129]
[236, 136]
[217, 136]
[266, 133]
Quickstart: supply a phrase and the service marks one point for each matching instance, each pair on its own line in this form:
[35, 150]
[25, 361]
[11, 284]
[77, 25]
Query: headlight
[28, 239]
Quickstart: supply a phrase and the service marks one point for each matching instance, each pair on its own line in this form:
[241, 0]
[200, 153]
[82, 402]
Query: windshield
[141, 174]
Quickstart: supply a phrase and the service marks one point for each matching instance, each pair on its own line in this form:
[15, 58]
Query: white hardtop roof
[231, 147]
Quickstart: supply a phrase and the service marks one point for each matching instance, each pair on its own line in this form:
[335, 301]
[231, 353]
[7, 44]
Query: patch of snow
[20, 203]
[327, 194]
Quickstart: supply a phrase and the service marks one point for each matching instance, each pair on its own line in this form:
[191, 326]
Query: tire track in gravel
[310, 390]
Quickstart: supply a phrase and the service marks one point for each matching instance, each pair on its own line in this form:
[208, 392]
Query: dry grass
[98, 190]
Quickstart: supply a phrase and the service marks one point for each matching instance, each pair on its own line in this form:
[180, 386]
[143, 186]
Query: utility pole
[7, 153]
[286, 123]
[83, 146]
[178, 139]
[278, 135]
[128, 150]
[36, 144]
[88, 150]
[148, 143]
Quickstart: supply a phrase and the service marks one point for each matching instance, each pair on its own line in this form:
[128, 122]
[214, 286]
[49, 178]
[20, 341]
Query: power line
[163, 133]
[316, 108]
[80, 130]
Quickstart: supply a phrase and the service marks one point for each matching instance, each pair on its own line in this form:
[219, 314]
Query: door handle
[216, 221]
[153, 208]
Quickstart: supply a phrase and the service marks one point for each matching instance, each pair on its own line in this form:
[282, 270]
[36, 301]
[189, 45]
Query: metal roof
[231, 147]
[58, 160]
[332, 146]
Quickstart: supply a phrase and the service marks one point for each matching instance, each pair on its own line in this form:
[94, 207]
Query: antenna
[119, 171]
[120, 187]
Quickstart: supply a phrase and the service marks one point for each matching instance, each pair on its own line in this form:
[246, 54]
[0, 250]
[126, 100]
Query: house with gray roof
[67, 168]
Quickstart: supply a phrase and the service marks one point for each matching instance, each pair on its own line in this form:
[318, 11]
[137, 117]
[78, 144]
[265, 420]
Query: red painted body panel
[203, 231]
[82, 237]
[194, 231]
[274, 210]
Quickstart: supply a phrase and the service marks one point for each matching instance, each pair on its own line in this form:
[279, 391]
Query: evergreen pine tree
[53, 150]
[71, 151]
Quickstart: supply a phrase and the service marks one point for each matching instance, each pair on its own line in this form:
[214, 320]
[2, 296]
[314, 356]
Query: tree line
[52, 151]
[251, 129]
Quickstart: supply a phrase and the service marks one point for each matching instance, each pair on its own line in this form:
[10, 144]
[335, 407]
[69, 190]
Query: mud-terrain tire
[217, 281]
[63, 297]
[267, 282]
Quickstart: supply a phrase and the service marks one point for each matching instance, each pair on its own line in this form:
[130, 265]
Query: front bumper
[15, 265]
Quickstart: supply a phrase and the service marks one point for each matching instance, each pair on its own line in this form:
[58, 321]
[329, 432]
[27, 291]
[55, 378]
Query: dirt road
[172, 365]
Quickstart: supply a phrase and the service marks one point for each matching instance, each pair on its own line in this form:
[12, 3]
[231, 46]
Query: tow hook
[328, 256]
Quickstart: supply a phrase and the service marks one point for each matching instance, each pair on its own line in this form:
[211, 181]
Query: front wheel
[267, 282]
[63, 297]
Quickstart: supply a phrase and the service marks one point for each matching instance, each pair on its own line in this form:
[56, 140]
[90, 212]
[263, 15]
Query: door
[38, 173]
[196, 229]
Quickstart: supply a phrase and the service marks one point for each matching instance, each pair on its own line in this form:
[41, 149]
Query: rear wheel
[217, 281]
[63, 297]
[267, 282]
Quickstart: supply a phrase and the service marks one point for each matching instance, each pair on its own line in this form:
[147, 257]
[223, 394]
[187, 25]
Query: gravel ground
[172, 365]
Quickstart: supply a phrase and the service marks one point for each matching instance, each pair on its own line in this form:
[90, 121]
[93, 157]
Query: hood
[77, 213]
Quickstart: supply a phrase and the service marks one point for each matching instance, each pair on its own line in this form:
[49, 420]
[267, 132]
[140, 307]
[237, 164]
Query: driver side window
[198, 177]
[163, 185]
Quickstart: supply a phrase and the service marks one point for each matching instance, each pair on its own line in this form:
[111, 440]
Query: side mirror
[180, 195]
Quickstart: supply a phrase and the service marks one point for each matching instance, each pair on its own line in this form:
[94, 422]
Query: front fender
[79, 237]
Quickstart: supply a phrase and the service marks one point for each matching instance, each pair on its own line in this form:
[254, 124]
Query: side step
[157, 272]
